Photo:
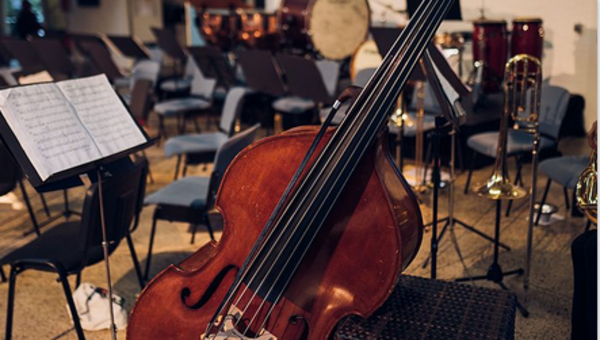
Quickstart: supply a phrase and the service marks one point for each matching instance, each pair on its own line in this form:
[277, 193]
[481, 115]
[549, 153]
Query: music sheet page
[103, 114]
[47, 128]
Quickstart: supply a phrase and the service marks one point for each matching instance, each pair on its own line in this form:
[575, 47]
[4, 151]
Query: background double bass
[292, 266]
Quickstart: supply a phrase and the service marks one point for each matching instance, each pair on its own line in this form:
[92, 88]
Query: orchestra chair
[189, 199]
[564, 171]
[140, 104]
[10, 177]
[201, 148]
[308, 92]
[553, 108]
[55, 58]
[183, 109]
[70, 247]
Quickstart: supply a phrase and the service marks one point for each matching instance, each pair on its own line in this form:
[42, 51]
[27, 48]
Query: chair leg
[194, 229]
[136, 262]
[177, 165]
[162, 132]
[543, 201]
[468, 183]
[151, 244]
[196, 124]
[45, 205]
[36, 226]
[77, 280]
[2, 275]
[68, 295]
[566, 192]
[11, 301]
[185, 167]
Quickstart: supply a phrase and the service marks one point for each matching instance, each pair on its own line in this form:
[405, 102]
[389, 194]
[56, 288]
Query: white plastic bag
[93, 309]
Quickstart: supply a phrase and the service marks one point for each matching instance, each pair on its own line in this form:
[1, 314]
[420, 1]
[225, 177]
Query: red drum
[220, 28]
[527, 37]
[490, 48]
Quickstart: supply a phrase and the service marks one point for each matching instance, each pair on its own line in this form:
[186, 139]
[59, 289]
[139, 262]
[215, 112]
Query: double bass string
[387, 61]
[382, 69]
[384, 103]
[305, 250]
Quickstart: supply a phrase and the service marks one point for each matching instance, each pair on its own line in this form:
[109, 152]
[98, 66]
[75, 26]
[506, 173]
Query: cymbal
[219, 3]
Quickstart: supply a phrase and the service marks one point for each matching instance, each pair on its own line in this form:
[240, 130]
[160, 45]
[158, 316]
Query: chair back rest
[553, 109]
[54, 56]
[234, 102]
[145, 69]
[120, 197]
[9, 171]
[101, 59]
[139, 105]
[225, 154]
[330, 72]
[202, 87]
[190, 68]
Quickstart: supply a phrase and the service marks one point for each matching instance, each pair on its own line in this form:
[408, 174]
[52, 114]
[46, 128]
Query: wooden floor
[41, 310]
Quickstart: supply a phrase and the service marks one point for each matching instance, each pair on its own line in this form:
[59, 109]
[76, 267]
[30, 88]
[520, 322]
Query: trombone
[522, 98]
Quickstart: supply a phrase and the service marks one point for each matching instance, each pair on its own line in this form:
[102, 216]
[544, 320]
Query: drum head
[338, 27]
[366, 57]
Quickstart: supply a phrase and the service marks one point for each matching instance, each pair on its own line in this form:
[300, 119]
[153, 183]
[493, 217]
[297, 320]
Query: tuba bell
[522, 93]
[586, 191]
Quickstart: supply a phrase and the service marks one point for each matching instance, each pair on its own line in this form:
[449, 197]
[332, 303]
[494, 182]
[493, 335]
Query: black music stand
[437, 59]
[261, 72]
[96, 171]
[213, 64]
[130, 47]
[304, 79]
[263, 76]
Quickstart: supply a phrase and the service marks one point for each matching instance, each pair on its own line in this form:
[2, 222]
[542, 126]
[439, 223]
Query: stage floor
[41, 311]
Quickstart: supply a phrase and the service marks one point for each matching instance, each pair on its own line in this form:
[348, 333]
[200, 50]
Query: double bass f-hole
[216, 282]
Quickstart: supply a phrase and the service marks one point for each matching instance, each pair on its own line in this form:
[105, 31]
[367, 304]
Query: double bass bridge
[228, 330]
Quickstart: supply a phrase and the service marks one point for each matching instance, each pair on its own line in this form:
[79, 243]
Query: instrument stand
[495, 273]
[451, 220]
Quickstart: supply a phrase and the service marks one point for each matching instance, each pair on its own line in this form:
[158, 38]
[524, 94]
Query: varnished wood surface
[372, 233]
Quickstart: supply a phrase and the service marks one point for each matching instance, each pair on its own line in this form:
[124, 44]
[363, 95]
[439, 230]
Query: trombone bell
[499, 187]
[586, 191]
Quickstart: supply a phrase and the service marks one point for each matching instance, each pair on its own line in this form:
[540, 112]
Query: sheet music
[103, 114]
[47, 128]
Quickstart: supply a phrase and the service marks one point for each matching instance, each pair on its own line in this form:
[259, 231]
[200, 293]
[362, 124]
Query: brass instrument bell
[586, 191]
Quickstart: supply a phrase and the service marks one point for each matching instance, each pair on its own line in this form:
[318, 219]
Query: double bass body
[370, 236]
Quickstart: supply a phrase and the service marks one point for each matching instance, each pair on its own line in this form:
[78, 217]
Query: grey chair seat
[564, 170]
[220, 93]
[177, 106]
[410, 125]
[122, 82]
[294, 105]
[175, 85]
[518, 142]
[194, 143]
[186, 192]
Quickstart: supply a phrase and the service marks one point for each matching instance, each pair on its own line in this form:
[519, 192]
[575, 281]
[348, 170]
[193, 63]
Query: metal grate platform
[429, 309]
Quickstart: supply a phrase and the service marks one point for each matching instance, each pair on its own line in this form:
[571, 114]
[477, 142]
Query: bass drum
[332, 28]
[364, 62]
[527, 37]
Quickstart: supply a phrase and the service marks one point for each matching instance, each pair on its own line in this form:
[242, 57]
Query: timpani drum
[490, 48]
[259, 29]
[366, 57]
[220, 28]
[527, 37]
[333, 29]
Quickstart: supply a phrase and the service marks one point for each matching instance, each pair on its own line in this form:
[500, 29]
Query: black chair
[190, 199]
[72, 246]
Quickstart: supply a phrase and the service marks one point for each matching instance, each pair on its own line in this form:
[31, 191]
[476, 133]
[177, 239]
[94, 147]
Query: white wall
[111, 17]
[570, 59]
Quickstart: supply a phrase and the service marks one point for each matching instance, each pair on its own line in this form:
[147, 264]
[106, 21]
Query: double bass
[318, 224]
